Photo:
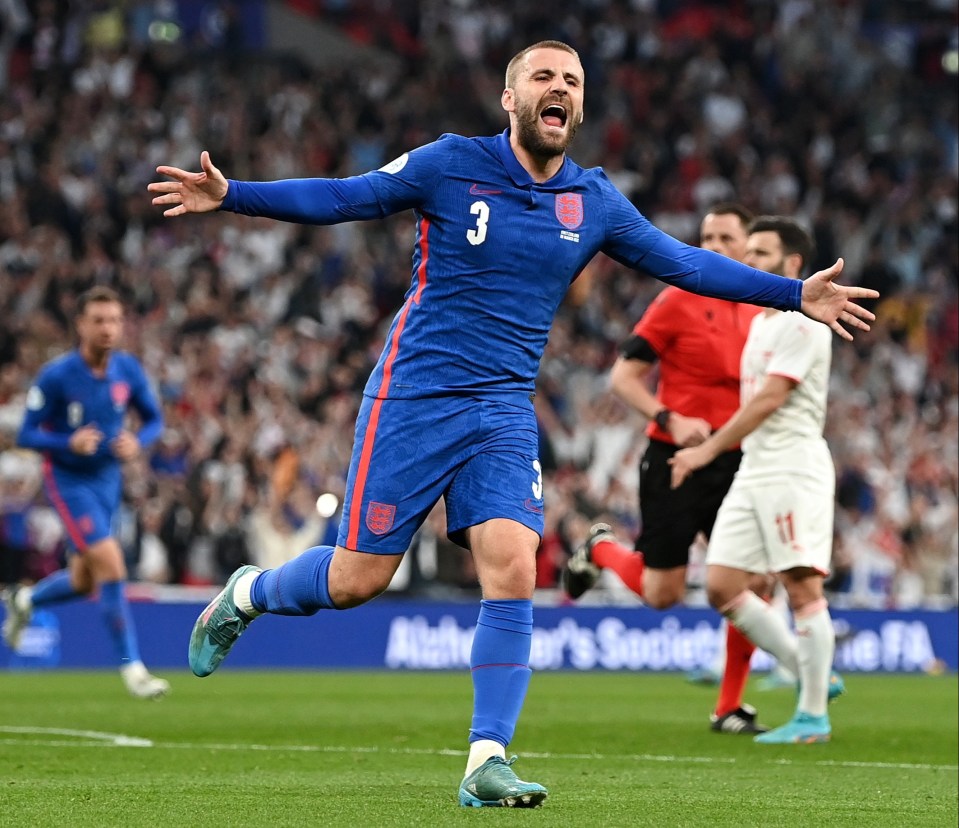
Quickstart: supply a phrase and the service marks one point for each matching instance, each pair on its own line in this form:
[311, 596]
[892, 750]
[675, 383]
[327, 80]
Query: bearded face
[545, 98]
[764, 251]
[545, 129]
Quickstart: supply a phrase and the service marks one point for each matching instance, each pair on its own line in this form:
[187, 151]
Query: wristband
[662, 418]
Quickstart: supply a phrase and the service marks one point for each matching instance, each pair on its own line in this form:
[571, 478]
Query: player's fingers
[830, 272]
[839, 329]
[855, 310]
[164, 186]
[174, 172]
[860, 320]
[169, 198]
[676, 473]
[179, 210]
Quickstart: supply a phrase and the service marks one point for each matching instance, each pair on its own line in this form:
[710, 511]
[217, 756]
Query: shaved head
[514, 67]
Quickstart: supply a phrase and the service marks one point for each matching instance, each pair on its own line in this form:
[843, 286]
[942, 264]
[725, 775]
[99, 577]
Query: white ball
[326, 504]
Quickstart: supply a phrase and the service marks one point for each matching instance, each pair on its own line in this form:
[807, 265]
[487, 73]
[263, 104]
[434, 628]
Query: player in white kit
[778, 514]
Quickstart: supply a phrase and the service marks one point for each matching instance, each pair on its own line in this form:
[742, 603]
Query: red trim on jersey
[363, 469]
[76, 536]
[424, 258]
[356, 504]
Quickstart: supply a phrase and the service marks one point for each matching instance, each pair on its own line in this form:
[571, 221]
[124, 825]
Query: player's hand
[125, 446]
[685, 461]
[688, 431]
[190, 192]
[86, 440]
[825, 301]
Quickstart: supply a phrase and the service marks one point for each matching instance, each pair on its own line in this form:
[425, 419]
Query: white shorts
[774, 526]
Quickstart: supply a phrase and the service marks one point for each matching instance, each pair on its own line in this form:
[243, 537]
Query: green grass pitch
[383, 749]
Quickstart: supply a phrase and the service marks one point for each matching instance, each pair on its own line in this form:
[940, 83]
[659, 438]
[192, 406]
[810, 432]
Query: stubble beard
[535, 142]
[99, 351]
[778, 269]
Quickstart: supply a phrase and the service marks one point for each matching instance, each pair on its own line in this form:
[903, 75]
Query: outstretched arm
[825, 301]
[190, 192]
[633, 241]
[300, 200]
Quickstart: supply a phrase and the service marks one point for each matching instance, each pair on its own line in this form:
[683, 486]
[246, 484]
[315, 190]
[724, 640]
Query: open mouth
[554, 115]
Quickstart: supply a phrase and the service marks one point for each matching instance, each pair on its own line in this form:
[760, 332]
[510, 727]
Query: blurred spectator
[32, 542]
[278, 530]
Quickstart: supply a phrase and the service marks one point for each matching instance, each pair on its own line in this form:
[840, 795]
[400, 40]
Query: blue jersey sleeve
[633, 241]
[409, 181]
[402, 184]
[304, 200]
[41, 399]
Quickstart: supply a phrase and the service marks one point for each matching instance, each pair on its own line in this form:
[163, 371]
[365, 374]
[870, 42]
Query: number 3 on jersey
[477, 235]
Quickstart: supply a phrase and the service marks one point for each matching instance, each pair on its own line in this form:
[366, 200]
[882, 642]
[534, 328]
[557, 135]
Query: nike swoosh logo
[205, 617]
[477, 190]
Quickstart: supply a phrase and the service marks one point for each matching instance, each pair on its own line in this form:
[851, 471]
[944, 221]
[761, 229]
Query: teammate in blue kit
[504, 225]
[76, 412]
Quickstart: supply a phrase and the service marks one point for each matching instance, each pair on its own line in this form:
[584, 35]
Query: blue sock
[499, 662]
[299, 587]
[53, 589]
[116, 612]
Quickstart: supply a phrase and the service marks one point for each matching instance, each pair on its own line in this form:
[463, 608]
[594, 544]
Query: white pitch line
[99, 739]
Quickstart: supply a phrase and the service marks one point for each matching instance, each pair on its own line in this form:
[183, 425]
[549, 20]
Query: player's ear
[507, 100]
[794, 265]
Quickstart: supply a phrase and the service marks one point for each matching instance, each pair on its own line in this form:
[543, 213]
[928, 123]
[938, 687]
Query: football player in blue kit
[504, 225]
[76, 413]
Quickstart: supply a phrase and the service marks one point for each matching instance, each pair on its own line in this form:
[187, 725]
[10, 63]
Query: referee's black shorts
[672, 517]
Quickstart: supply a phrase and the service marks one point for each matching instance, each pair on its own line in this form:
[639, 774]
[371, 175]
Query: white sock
[816, 647]
[480, 751]
[719, 661]
[241, 594]
[24, 599]
[764, 626]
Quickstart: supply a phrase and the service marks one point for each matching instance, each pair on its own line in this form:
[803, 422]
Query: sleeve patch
[35, 398]
[396, 164]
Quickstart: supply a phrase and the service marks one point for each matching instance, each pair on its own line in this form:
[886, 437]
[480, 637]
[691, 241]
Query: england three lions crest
[569, 210]
[379, 517]
[119, 395]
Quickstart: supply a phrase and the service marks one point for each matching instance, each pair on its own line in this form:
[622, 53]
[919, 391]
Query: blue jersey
[495, 253]
[67, 395]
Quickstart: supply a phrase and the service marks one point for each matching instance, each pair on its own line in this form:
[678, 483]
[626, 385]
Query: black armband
[638, 348]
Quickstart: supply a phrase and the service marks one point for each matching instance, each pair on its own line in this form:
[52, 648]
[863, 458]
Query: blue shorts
[482, 455]
[86, 504]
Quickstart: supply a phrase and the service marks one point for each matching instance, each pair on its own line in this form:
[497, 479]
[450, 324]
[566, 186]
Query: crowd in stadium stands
[259, 335]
